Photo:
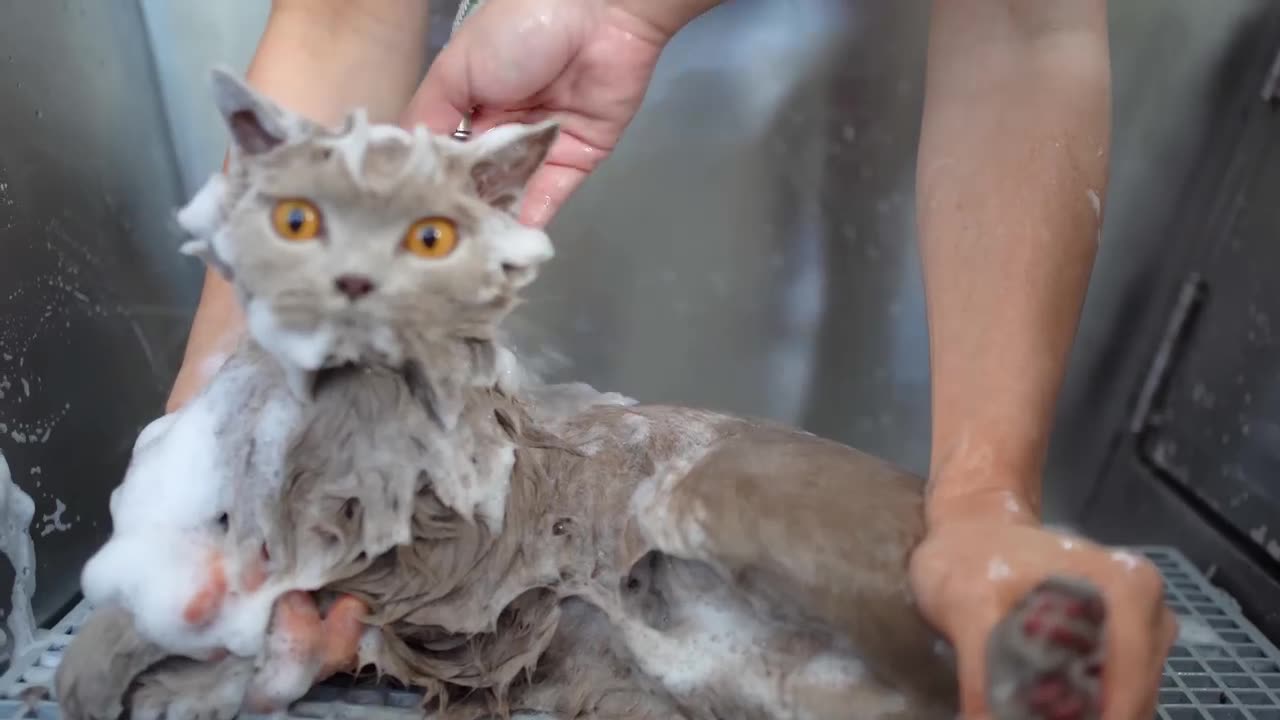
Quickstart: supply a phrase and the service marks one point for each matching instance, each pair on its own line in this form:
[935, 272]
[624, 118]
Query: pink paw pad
[305, 646]
[207, 600]
[1044, 658]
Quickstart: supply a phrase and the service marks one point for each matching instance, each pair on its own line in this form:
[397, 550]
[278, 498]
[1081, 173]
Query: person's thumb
[444, 96]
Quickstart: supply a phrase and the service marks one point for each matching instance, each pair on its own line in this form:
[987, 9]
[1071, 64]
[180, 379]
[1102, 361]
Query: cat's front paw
[206, 602]
[1044, 658]
[304, 647]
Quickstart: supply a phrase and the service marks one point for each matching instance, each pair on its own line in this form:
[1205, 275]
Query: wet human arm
[320, 58]
[667, 16]
[1011, 176]
[1012, 170]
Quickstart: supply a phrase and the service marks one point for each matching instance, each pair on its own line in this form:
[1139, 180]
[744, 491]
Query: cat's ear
[257, 124]
[503, 159]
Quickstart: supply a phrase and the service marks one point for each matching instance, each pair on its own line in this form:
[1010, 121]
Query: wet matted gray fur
[524, 546]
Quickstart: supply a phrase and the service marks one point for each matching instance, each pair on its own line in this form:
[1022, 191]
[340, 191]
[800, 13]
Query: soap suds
[1127, 559]
[1194, 631]
[164, 518]
[998, 569]
[53, 522]
[204, 212]
[187, 469]
[304, 350]
[1011, 503]
[651, 506]
[17, 510]
[717, 644]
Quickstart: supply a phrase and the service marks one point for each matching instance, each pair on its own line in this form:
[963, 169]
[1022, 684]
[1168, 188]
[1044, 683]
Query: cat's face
[365, 242]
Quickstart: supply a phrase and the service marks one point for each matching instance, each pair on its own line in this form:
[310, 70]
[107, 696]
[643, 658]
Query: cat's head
[366, 243]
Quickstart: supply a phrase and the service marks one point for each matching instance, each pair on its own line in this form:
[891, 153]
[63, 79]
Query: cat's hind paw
[1044, 659]
[182, 689]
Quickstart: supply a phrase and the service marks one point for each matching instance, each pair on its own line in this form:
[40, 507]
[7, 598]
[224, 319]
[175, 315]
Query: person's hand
[982, 554]
[585, 63]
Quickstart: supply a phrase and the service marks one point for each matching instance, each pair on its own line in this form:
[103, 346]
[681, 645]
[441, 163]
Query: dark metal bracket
[1186, 309]
[1271, 84]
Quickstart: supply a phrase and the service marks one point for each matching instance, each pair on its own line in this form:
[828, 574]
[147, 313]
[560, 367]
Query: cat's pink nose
[353, 286]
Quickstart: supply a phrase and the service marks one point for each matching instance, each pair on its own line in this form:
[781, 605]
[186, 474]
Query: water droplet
[39, 114]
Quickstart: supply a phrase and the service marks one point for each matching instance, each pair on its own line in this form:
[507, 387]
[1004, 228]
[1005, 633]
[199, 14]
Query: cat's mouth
[351, 315]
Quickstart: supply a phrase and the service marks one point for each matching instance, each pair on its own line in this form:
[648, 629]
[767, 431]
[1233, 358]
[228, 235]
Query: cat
[370, 243]
[505, 545]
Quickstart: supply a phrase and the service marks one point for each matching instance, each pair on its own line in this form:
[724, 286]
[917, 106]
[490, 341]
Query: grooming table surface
[1236, 679]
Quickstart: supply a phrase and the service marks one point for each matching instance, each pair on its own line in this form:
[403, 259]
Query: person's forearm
[1011, 174]
[320, 58]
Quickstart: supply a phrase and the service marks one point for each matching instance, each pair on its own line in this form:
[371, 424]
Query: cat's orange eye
[433, 237]
[296, 220]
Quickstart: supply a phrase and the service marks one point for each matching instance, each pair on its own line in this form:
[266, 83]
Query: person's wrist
[662, 18]
[992, 497]
[984, 468]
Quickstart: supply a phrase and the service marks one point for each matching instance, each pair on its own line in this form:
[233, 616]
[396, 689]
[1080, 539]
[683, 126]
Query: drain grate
[1225, 669]
[1234, 674]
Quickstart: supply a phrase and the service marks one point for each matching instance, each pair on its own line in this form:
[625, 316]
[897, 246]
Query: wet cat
[503, 544]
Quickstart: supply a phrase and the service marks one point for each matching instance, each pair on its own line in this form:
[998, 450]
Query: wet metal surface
[1201, 455]
[771, 270]
[750, 246]
[94, 302]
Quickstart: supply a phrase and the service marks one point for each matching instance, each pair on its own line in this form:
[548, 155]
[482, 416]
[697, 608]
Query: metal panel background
[1198, 452]
[94, 301]
[1217, 431]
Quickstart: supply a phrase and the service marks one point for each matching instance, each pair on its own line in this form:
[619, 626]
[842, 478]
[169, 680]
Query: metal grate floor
[1233, 676]
[1230, 673]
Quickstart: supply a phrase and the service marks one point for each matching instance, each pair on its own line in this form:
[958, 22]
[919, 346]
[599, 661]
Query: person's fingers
[548, 190]
[502, 59]
[971, 664]
[1134, 640]
[1169, 625]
